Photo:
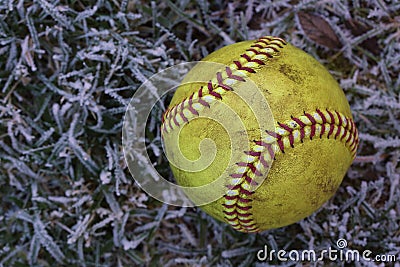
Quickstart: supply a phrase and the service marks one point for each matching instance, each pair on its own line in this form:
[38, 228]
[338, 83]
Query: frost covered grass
[67, 72]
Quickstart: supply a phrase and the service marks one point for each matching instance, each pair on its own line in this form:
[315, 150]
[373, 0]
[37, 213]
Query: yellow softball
[296, 134]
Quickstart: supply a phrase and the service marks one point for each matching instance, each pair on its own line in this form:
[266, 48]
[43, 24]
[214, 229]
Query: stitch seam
[285, 135]
[262, 50]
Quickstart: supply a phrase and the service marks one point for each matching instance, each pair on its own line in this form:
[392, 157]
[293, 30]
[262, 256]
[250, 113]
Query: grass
[67, 72]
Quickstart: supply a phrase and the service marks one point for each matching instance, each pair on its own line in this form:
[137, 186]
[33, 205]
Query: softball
[268, 128]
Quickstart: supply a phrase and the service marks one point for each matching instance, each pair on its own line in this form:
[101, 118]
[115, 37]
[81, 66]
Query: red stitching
[351, 130]
[240, 67]
[331, 116]
[273, 48]
[330, 130]
[247, 57]
[235, 216]
[172, 112]
[250, 166]
[239, 207]
[258, 46]
[230, 197]
[313, 122]
[164, 125]
[246, 192]
[284, 126]
[324, 121]
[339, 125]
[322, 116]
[338, 131]
[322, 130]
[273, 40]
[302, 134]
[340, 118]
[245, 220]
[290, 130]
[247, 207]
[203, 102]
[233, 187]
[237, 175]
[169, 123]
[230, 219]
[344, 134]
[190, 106]
[164, 115]
[221, 83]
[355, 145]
[182, 106]
[274, 134]
[245, 200]
[233, 212]
[174, 117]
[232, 76]
[352, 143]
[262, 41]
[264, 163]
[312, 134]
[278, 140]
[212, 92]
[299, 122]
[265, 37]
[253, 153]
[265, 45]
[210, 86]
[240, 218]
[250, 180]
[291, 140]
[229, 213]
[259, 52]
[269, 148]
[201, 92]
[241, 221]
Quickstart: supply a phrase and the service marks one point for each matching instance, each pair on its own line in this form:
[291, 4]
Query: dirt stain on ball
[291, 73]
